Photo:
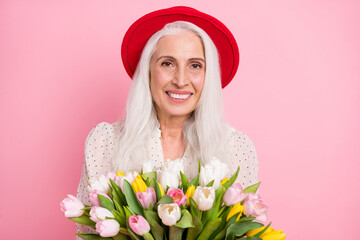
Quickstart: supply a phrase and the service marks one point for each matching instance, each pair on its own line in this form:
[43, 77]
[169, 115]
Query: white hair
[205, 131]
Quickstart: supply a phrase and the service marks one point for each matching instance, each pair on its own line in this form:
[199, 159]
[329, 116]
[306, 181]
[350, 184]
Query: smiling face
[177, 74]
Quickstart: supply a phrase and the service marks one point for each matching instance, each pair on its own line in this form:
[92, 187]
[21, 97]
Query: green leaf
[246, 219]
[122, 201]
[154, 222]
[219, 193]
[175, 233]
[194, 231]
[224, 212]
[194, 209]
[221, 232]
[184, 181]
[119, 218]
[106, 202]
[92, 236]
[238, 229]
[121, 237]
[210, 184]
[84, 220]
[165, 199]
[157, 190]
[195, 181]
[199, 165]
[209, 228]
[185, 221]
[252, 188]
[131, 199]
[128, 212]
[262, 231]
[252, 238]
[232, 179]
[149, 176]
[148, 236]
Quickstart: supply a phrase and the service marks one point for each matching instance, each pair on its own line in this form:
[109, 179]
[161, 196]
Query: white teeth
[179, 96]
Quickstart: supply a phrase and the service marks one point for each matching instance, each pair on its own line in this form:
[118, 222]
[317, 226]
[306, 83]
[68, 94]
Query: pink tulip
[94, 199]
[234, 195]
[108, 228]
[98, 214]
[254, 206]
[146, 198]
[178, 196]
[71, 206]
[139, 225]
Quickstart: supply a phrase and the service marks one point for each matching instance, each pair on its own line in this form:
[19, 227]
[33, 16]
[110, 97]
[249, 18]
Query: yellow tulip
[189, 193]
[138, 184]
[269, 234]
[120, 173]
[224, 181]
[161, 189]
[237, 208]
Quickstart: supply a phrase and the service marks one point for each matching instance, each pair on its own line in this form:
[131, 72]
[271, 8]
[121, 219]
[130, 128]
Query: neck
[172, 127]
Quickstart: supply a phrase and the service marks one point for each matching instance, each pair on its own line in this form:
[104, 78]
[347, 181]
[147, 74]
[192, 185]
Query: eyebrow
[172, 58]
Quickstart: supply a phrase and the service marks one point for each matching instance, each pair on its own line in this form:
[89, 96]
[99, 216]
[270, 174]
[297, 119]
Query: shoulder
[104, 131]
[239, 138]
[100, 147]
[242, 153]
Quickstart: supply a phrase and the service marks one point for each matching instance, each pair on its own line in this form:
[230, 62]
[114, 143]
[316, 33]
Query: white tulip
[102, 184]
[170, 173]
[215, 170]
[98, 214]
[204, 197]
[147, 167]
[169, 213]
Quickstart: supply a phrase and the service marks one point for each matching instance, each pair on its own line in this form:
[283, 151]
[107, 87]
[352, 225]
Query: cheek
[158, 79]
[198, 83]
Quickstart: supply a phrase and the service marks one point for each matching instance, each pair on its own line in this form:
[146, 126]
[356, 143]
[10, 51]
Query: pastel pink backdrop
[296, 95]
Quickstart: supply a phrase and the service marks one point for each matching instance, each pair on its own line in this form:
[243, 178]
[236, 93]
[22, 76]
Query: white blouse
[99, 150]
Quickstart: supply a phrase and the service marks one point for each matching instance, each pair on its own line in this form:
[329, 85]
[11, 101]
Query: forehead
[183, 44]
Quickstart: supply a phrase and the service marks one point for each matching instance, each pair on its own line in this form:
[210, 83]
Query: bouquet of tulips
[135, 206]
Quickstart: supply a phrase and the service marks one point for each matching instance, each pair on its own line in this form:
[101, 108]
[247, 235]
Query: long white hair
[205, 131]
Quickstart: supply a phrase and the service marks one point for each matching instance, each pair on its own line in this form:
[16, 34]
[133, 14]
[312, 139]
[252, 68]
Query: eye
[166, 64]
[196, 65]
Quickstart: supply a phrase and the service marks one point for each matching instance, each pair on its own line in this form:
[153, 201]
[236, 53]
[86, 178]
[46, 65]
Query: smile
[179, 96]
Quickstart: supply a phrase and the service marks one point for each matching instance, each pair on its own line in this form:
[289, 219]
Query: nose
[181, 77]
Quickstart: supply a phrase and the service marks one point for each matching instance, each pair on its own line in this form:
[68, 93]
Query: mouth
[178, 96]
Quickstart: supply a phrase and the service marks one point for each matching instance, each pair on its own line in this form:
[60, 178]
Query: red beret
[140, 31]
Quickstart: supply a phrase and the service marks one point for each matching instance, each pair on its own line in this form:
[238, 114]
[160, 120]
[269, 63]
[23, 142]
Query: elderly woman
[182, 59]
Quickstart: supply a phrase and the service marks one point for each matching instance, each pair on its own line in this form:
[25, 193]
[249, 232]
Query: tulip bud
[139, 225]
[72, 207]
[146, 198]
[215, 170]
[98, 214]
[102, 184]
[178, 196]
[234, 195]
[138, 184]
[170, 173]
[108, 228]
[189, 193]
[254, 206]
[237, 208]
[269, 234]
[204, 197]
[169, 213]
[94, 198]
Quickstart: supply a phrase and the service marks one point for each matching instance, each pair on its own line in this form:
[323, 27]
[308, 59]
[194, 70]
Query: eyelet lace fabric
[99, 151]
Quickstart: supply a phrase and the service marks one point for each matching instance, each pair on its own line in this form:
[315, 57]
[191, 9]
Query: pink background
[296, 95]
